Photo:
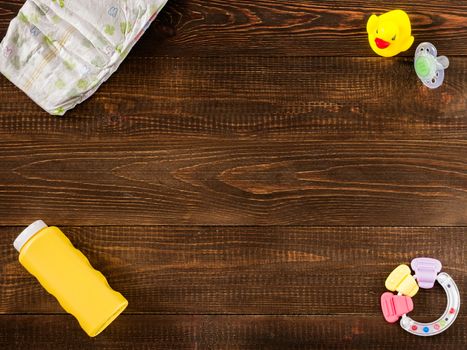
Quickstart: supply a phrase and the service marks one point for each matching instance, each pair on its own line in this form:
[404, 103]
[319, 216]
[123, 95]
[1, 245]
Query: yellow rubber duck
[390, 33]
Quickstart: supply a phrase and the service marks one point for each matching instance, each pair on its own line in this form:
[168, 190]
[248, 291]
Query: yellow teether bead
[402, 281]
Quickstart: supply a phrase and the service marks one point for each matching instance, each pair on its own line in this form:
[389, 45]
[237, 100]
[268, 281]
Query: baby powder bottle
[67, 274]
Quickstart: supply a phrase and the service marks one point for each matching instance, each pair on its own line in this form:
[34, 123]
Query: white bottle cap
[27, 234]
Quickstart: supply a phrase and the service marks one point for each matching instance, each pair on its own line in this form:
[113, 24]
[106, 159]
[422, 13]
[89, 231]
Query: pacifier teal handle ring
[448, 317]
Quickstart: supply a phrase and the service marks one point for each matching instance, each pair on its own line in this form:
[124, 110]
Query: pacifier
[429, 67]
[427, 272]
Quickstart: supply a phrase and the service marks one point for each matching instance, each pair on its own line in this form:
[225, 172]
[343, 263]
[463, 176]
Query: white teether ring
[448, 317]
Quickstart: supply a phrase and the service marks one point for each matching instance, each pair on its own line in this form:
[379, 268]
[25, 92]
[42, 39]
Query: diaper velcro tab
[426, 271]
[401, 280]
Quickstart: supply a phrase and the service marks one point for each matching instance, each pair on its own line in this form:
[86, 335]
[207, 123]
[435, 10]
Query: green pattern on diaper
[59, 111]
[121, 51]
[126, 27]
[60, 2]
[23, 18]
[48, 40]
[60, 84]
[109, 29]
[82, 84]
[69, 65]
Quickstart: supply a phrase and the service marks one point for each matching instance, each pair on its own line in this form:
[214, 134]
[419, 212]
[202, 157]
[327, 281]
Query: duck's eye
[376, 31]
[393, 38]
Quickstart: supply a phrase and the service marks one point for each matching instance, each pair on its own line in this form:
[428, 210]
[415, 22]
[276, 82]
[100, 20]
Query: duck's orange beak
[382, 44]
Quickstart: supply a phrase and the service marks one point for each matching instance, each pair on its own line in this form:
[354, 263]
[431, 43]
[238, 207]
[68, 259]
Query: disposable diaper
[60, 51]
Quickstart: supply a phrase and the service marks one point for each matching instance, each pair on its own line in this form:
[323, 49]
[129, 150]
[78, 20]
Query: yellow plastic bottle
[67, 274]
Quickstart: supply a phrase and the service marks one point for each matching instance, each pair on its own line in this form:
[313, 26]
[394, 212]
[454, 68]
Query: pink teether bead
[394, 306]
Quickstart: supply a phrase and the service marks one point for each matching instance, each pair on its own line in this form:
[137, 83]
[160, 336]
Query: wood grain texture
[245, 270]
[281, 27]
[256, 97]
[233, 182]
[222, 332]
[247, 179]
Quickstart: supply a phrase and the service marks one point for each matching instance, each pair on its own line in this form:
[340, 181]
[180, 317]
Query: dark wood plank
[227, 113]
[281, 27]
[232, 182]
[222, 332]
[245, 270]
[281, 97]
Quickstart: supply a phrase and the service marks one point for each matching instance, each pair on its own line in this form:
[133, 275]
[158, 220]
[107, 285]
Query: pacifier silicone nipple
[429, 67]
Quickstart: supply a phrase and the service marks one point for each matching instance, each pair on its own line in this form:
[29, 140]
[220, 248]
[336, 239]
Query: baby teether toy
[429, 67]
[390, 33]
[427, 272]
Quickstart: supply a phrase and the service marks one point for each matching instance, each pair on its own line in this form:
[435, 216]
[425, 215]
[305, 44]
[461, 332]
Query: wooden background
[247, 179]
